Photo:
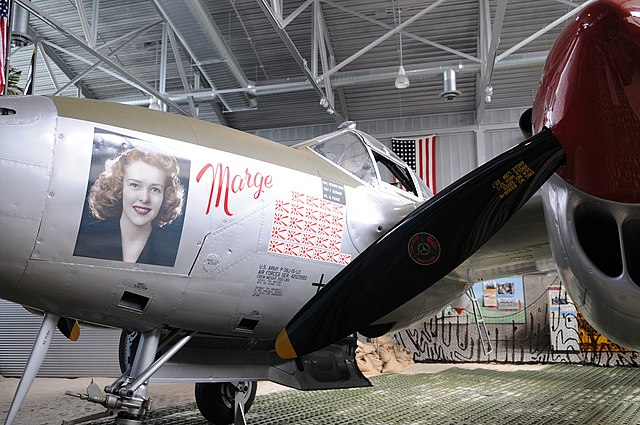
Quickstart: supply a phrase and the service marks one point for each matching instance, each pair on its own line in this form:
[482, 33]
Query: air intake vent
[631, 238]
[247, 325]
[132, 301]
[598, 236]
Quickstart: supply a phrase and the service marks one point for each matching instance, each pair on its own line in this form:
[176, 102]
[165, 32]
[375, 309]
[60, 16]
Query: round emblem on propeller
[424, 248]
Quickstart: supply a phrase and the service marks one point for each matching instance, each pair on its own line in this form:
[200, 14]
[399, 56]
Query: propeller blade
[423, 248]
[69, 328]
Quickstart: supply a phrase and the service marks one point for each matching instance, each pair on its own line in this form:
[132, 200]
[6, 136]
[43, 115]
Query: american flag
[420, 154]
[4, 23]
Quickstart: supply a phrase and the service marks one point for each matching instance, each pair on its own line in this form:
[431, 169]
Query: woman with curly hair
[133, 199]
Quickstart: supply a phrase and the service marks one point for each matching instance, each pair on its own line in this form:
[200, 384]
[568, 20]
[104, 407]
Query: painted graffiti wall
[550, 333]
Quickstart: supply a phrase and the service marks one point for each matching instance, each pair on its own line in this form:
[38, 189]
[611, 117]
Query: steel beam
[296, 12]
[129, 40]
[163, 60]
[543, 30]
[217, 110]
[47, 66]
[319, 18]
[128, 35]
[49, 52]
[88, 62]
[250, 40]
[40, 14]
[404, 32]
[496, 30]
[488, 65]
[95, 12]
[302, 63]
[86, 29]
[175, 48]
[482, 45]
[314, 40]
[379, 40]
[276, 5]
[332, 62]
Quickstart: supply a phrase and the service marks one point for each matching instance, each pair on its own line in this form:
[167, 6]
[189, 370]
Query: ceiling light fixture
[449, 91]
[402, 81]
[155, 104]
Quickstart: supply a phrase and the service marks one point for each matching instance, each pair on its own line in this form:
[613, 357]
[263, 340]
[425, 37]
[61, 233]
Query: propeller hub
[589, 98]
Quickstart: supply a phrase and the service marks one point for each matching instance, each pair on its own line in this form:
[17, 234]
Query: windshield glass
[393, 170]
[381, 147]
[348, 151]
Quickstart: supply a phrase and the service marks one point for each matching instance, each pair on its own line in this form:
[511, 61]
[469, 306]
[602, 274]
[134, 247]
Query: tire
[128, 347]
[216, 400]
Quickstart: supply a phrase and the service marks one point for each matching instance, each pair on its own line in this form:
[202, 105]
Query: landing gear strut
[127, 396]
[225, 402]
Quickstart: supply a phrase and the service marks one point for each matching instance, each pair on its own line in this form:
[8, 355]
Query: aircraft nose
[589, 98]
[27, 136]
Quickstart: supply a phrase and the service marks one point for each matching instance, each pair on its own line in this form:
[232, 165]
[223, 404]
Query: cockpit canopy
[370, 161]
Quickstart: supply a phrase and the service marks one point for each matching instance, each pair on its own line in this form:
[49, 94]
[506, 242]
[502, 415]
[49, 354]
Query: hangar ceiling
[258, 64]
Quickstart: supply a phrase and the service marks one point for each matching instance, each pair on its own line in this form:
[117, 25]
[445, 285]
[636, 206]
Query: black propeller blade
[424, 247]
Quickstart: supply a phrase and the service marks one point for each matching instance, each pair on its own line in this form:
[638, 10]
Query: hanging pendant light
[402, 81]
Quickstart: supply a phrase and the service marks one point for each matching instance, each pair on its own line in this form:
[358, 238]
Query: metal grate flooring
[558, 394]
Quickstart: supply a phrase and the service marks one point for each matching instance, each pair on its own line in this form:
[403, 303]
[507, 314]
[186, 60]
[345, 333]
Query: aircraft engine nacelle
[588, 98]
[596, 245]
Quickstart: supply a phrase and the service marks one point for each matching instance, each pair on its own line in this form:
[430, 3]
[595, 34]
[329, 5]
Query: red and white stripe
[426, 160]
[4, 31]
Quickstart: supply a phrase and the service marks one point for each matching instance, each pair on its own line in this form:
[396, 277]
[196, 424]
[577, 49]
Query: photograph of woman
[130, 209]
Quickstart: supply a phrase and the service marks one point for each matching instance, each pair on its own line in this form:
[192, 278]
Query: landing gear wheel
[216, 400]
[128, 348]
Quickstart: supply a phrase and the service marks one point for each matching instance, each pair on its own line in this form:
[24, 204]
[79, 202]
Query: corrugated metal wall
[94, 354]
[455, 156]
[458, 153]
[498, 141]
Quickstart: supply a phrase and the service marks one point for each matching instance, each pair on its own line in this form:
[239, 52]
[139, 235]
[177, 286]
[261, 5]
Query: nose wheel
[225, 402]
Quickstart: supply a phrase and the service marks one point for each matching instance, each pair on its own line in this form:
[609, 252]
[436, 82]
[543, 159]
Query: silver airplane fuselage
[262, 228]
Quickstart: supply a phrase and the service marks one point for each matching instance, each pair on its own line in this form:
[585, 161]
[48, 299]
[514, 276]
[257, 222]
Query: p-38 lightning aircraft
[240, 260]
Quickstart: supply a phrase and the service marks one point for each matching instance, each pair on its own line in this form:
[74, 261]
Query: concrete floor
[425, 394]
